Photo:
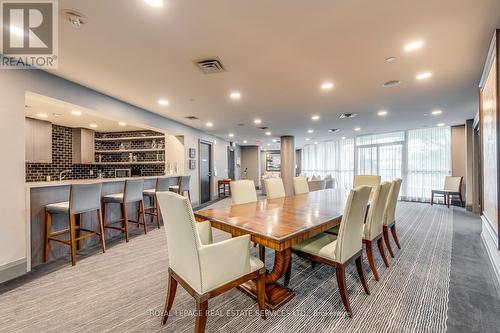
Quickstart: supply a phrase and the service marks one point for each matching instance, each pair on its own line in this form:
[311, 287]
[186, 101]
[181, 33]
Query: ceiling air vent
[392, 83]
[264, 128]
[210, 65]
[333, 130]
[348, 115]
[192, 118]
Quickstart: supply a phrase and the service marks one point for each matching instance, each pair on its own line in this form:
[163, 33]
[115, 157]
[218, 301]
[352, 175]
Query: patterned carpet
[124, 290]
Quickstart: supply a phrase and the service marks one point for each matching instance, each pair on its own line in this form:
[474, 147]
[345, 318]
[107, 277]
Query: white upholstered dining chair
[316, 185]
[243, 191]
[366, 180]
[390, 216]
[300, 185]
[204, 269]
[372, 231]
[274, 188]
[340, 250]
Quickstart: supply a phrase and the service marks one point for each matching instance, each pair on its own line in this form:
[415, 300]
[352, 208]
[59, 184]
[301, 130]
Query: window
[335, 158]
[429, 162]
[421, 157]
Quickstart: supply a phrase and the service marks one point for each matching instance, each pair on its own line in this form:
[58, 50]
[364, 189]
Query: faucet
[62, 174]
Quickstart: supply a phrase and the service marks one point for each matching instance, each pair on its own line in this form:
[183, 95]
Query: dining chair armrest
[224, 261]
[205, 232]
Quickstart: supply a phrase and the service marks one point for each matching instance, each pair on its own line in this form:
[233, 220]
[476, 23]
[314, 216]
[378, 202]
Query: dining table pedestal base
[277, 295]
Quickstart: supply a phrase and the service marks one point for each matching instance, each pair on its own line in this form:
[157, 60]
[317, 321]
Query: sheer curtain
[421, 157]
[335, 158]
[429, 162]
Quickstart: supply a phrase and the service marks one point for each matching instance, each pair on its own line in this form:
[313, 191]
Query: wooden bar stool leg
[142, 215]
[101, 231]
[48, 229]
[152, 204]
[79, 232]
[158, 214]
[125, 220]
[72, 236]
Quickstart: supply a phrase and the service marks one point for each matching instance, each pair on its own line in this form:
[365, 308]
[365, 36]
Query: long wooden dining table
[278, 224]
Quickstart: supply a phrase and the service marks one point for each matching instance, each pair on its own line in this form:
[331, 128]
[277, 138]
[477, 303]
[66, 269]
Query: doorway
[205, 158]
[230, 162]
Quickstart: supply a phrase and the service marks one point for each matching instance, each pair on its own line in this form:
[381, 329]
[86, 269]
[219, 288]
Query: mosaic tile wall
[62, 157]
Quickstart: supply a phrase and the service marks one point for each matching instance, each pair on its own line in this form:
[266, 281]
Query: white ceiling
[60, 113]
[277, 53]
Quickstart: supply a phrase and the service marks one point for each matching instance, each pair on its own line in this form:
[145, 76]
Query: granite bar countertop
[90, 181]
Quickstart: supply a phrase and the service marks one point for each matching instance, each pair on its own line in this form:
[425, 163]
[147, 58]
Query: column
[288, 162]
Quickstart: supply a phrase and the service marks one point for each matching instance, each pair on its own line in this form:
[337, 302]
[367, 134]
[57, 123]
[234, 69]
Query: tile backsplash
[62, 138]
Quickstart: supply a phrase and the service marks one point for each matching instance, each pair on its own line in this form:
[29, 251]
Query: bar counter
[39, 194]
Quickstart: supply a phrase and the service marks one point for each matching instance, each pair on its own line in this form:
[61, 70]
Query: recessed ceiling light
[76, 113]
[315, 117]
[163, 102]
[390, 60]
[423, 76]
[436, 112]
[382, 113]
[308, 139]
[327, 85]
[316, 142]
[310, 131]
[245, 141]
[441, 124]
[275, 140]
[343, 138]
[357, 129]
[235, 95]
[268, 144]
[57, 115]
[413, 45]
[268, 133]
[42, 115]
[93, 125]
[154, 3]
[209, 124]
[121, 123]
[257, 121]
[231, 135]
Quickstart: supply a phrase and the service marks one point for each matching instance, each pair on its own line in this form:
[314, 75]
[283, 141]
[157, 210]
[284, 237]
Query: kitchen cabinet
[38, 141]
[83, 146]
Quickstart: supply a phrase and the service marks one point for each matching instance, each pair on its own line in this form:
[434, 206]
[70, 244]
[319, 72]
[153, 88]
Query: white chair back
[349, 240]
[133, 190]
[243, 191]
[366, 180]
[183, 241]
[274, 188]
[375, 219]
[453, 184]
[84, 198]
[300, 185]
[316, 185]
[392, 201]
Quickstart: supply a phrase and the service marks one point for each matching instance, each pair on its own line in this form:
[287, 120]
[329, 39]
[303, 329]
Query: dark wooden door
[205, 171]
[230, 162]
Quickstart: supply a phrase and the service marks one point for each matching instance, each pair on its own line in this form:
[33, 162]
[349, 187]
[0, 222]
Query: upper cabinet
[38, 141]
[83, 146]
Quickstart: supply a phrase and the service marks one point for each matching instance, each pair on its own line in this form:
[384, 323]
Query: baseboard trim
[490, 240]
[12, 270]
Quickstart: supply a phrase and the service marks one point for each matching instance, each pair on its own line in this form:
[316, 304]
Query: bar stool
[131, 193]
[83, 198]
[162, 185]
[183, 186]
